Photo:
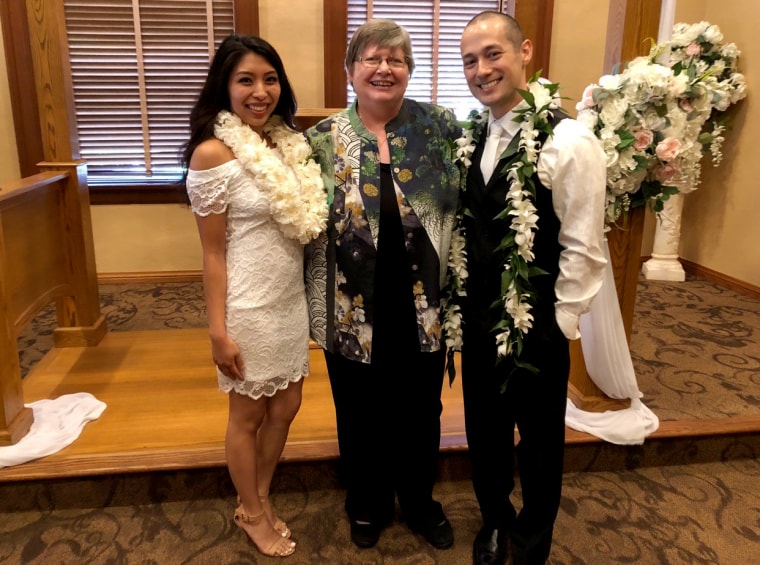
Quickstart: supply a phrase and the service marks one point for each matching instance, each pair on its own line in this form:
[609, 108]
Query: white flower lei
[297, 199]
[517, 298]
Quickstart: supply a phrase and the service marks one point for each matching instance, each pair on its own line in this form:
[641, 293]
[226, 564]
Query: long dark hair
[215, 96]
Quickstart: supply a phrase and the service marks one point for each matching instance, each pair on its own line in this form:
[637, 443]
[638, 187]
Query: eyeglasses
[375, 62]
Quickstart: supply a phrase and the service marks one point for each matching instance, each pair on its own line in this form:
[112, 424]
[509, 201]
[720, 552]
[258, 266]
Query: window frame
[535, 18]
[534, 15]
[26, 111]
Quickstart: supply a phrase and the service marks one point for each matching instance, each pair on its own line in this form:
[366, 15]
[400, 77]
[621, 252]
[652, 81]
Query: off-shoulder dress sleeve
[208, 190]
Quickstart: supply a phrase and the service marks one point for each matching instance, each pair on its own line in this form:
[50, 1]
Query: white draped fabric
[57, 423]
[608, 363]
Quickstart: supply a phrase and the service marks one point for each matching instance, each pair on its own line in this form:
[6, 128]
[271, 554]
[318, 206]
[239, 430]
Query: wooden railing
[46, 255]
[307, 117]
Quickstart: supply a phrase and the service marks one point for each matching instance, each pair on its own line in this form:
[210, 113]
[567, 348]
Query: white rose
[692, 32]
[712, 34]
[613, 111]
[626, 160]
[657, 79]
[653, 121]
[611, 82]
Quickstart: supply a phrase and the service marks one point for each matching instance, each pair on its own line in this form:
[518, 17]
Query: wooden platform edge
[324, 450]
[129, 358]
[177, 460]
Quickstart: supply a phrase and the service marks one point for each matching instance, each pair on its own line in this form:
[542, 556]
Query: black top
[395, 322]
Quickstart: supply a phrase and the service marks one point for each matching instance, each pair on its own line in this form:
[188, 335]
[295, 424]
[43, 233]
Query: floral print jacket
[340, 263]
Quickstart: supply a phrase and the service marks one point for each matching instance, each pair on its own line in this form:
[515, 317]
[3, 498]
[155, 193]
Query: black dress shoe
[436, 529]
[364, 534]
[491, 547]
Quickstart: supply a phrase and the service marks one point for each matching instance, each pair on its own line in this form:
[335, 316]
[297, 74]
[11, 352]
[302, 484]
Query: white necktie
[490, 151]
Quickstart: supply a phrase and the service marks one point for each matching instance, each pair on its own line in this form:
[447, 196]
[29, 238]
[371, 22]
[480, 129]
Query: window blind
[435, 28]
[137, 67]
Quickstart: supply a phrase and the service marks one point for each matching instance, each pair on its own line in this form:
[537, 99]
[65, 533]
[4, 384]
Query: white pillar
[664, 264]
[667, 19]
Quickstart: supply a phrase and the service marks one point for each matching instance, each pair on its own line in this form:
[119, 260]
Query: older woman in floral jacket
[374, 284]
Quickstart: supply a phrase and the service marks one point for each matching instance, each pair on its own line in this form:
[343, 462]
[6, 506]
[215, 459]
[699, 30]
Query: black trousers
[388, 416]
[536, 404]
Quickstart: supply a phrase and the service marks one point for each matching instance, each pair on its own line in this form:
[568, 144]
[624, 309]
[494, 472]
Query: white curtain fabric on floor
[57, 423]
[608, 362]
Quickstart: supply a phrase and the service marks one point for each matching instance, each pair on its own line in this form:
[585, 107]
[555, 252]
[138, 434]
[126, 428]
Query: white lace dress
[266, 303]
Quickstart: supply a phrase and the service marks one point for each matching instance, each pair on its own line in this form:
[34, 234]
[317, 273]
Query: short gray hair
[382, 33]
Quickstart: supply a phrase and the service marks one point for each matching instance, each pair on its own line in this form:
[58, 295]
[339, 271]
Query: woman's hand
[226, 355]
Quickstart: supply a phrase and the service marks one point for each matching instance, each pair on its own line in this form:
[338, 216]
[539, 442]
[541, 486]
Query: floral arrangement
[297, 198]
[657, 118]
[533, 115]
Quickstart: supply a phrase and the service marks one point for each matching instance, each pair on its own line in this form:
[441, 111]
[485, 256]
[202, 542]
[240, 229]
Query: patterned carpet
[695, 348]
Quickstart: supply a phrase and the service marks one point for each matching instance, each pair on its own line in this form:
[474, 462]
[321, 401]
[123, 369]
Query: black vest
[485, 265]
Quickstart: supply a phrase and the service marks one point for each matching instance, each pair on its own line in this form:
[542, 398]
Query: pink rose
[667, 149]
[693, 49]
[643, 137]
[664, 173]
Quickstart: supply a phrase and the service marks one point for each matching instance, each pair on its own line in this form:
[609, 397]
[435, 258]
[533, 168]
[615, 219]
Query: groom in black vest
[567, 245]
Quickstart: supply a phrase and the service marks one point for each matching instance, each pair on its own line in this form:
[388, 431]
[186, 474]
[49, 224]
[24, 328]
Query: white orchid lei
[297, 199]
[658, 117]
[517, 244]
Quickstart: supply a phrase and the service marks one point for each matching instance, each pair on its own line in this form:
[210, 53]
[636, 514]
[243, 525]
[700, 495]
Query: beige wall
[719, 227]
[297, 34]
[577, 59]
[145, 239]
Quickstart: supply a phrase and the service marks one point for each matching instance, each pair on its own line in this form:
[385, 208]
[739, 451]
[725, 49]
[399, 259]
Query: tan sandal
[283, 547]
[278, 524]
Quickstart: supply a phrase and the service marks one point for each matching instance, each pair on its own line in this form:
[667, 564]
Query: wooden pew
[46, 254]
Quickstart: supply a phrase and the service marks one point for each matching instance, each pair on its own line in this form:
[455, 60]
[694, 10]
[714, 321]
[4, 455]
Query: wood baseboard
[720, 279]
[712, 276]
[197, 276]
[156, 277]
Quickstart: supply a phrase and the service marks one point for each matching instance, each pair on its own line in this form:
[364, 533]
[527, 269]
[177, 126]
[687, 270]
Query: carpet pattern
[696, 350]
[696, 354]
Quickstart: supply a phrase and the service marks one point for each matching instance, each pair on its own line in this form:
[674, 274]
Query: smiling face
[384, 85]
[493, 65]
[254, 89]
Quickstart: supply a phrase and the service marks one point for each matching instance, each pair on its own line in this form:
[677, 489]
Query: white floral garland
[532, 114]
[297, 199]
[659, 116]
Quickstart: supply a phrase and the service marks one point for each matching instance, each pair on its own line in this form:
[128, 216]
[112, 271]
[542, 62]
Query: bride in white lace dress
[257, 199]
